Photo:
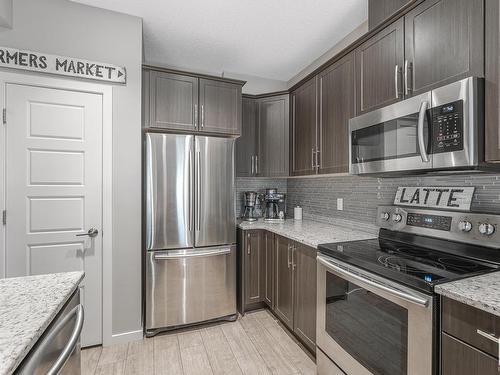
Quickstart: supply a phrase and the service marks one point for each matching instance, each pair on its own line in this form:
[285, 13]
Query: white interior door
[54, 189]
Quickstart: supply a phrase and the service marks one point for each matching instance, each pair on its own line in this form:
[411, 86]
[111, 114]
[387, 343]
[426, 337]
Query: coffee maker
[250, 201]
[275, 205]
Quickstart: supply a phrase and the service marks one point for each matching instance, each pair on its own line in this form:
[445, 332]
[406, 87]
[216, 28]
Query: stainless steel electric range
[377, 310]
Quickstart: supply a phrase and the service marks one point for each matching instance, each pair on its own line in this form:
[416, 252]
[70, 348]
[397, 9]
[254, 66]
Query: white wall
[65, 28]
[348, 39]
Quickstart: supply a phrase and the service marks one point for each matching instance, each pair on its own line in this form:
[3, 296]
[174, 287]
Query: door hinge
[4, 217]
[4, 116]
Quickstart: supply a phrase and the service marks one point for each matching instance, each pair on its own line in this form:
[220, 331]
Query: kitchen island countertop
[27, 307]
[482, 292]
[313, 233]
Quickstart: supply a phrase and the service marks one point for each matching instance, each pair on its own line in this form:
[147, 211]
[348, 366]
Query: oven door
[369, 325]
[392, 139]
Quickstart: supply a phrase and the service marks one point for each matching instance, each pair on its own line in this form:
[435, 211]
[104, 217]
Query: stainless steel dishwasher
[58, 349]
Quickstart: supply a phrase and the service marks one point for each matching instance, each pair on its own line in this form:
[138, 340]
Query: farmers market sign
[66, 66]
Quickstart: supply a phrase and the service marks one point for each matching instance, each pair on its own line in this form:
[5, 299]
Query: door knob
[92, 232]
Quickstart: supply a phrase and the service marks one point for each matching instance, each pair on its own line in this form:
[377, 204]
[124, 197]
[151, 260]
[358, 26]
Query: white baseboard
[126, 337]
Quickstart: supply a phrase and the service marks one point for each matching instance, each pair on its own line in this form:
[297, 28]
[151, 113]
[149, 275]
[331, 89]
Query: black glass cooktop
[405, 260]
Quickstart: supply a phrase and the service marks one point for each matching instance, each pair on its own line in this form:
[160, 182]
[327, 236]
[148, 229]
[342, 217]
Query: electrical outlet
[340, 204]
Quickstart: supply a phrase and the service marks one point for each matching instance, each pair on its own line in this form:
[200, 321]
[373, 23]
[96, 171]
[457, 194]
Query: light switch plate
[340, 204]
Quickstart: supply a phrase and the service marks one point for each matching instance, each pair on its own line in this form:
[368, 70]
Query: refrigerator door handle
[190, 186]
[207, 253]
[198, 189]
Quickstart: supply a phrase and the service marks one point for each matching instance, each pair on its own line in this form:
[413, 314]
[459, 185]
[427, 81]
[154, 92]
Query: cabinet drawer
[459, 358]
[464, 322]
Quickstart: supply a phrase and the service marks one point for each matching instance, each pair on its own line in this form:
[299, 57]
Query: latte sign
[450, 198]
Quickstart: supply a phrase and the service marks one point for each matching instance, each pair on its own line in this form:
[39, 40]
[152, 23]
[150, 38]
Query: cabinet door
[284, 281]
[269, 282]
[304, 124]
[304, 317]
[336, 107]
[220, 107]
[245, 149]
[492, 81]
[379, 63]
[173, 101]
[444, 42]
[253, 266]
[273, 158]
[380, 10]
[458, 358]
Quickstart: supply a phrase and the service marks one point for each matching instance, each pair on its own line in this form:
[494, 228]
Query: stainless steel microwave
[439, 130]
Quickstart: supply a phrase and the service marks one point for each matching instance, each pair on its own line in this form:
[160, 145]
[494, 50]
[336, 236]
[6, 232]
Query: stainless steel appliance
[377, 310]
[438, 130]
[275, 205]
[250, 201]
[58, 349]
[190, 230]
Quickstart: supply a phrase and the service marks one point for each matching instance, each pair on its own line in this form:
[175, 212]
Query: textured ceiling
[266, 38]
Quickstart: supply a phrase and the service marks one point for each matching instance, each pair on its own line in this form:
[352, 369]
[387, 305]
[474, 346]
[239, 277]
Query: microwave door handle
[420, 131]
[354, 276]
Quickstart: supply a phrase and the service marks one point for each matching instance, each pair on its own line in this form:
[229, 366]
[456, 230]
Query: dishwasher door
[189, 286]
[58, 349]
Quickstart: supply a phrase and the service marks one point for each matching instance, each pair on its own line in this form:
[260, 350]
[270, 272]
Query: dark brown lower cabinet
[280, 273]
[284, 281]
[468, 340]
[304, 316]
[269, 255]
[253, 261]
[459, 358]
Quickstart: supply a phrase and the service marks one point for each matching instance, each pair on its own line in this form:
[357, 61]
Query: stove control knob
[465, 226]
[486, 229]
[397, 218]
[384, 216]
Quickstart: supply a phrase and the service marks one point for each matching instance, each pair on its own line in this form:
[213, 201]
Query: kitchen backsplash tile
[361, 195]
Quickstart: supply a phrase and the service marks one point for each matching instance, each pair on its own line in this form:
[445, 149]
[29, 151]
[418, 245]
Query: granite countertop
[312, 233]
[481, 291]
[27, 307]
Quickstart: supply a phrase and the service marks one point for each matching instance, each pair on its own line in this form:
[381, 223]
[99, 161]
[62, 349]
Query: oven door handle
[420, 131]
[352, 275]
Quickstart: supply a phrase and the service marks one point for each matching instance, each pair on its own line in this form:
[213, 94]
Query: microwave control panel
[447, 127]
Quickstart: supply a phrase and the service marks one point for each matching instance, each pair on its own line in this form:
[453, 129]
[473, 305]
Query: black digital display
[449, 108]
[429, 221]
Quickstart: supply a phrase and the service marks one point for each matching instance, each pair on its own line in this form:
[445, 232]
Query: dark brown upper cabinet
[304, 316]
[379, 66]
[220, 107]
[336, 107]
[246, 145]
[188, 103]
[380, 10]
[304, 129]
[273, 127]
[444, 42]
[173, 101]
[492, 81]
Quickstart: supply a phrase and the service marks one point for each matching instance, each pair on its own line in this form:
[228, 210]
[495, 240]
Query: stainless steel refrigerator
[190, 230]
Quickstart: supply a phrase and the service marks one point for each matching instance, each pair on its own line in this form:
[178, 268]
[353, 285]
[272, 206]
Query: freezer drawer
[189, 286]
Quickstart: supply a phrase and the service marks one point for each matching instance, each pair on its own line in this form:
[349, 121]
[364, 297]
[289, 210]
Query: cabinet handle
[256, 164]
[252, 168]
[294, 264]
[396, 85]
[202, 116]
[317, 159]
[408, 66]
[248, 244]
[196, 115]
[489, 336]
[312, 159]
[288, 256]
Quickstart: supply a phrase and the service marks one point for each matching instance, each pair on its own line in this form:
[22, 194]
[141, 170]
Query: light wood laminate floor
[255, 344]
